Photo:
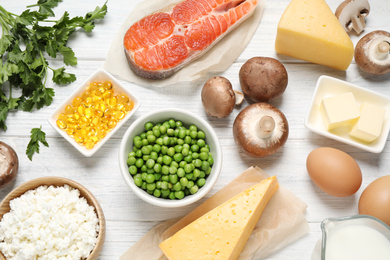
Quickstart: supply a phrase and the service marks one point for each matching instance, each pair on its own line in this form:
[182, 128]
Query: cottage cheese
[49, 223]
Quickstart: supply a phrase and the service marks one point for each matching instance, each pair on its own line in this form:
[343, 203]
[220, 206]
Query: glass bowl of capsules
[94, 112]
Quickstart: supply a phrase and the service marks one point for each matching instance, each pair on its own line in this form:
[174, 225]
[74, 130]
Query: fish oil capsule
[107, 85]
[89, 144]
[77, 101]
[61, 124]
[88, 112]
[68, 110]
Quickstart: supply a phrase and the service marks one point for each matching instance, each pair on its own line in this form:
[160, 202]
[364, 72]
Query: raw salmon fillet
[161, 43]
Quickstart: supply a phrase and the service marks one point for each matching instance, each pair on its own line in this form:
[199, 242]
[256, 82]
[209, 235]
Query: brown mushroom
[263, 79]
[352, 14]
[260, 129]
[372, 53]
[9, 164]
[219, 98]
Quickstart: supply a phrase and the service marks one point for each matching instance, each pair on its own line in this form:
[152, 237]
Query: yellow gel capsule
[68, 110]
[107, 84]
[76, 102]
[89, 144]
[61, 124]
[88, 112]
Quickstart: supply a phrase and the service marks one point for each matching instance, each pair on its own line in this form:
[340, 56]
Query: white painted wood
[129, 218]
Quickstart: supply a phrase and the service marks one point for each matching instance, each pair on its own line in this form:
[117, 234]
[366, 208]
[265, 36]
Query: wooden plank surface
[129, 218]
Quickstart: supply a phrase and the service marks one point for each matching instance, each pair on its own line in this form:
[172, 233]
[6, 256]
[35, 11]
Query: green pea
[170, 132]
[143, 185]
[150, 132]
[151, 186]
[138, 143]
[174, 164]
[131, 154]
[178, 157]
[201, 135]
[138, 153]
[182, 164]
[165, 170]
[144, 168]
[178, 148]
[172, 170]
[133, 170]
[190, 176]
[189, 168]
[138, 181]
[180, 141]
[188, 158]
[198, 163]
[157, 176]
[203, 156]
[180, 172]
[179, 124]
[157, 167]
[149, 191]
[143, 135]
[159, 160]
[151, 139]
[205, 166]
[145, 150]
[201, 143]
[185, 151]
[190, 184]
[179, 194]
[173, 178]
[193, 134]
[195, 148]
[182, 133]
[165, 178]
[164, 185]
[159, 141]
[164, 149]
[184, 182]
[148, 126]
[176, 132]
[210, 160]
[195, 155]
[177, 186]
[149, 178]
[150, 171]
[186, 146]
[167, 159]
[150, 163]
[153, 155]
[173, 141]
[131, 160]
[156, 132]
[187, 139]
[137, 138]
[145, 142]
[145, 157]
[193, 128]
[139, 163]
[202, 174]
[172, 196]
[204, 149]
[163, 129]
[194, 189]
[171, 151]
[196, 173]
[157, 193]
[172, 123]
[165, 193]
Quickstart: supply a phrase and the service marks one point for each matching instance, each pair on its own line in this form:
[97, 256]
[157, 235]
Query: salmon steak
[163, 42]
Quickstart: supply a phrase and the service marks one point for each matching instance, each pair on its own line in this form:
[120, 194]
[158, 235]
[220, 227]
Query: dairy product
[339, 110]
[369, 126]
[222, 232]
[308, 30]
[357, 242]
[49, 223]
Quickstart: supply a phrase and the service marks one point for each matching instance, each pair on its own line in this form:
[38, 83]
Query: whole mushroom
[260, 129]
[372, 53]
[263, 78]
[219, 98]
[352, 15]
[9, 164]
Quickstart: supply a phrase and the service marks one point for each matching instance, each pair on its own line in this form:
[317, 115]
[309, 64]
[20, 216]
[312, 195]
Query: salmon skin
[163, 42]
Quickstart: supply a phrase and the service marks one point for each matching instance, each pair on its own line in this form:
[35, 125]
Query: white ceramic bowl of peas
[189, 179]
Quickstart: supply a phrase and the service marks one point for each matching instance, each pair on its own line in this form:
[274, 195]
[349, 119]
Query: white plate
[100, 76]
[328, 86]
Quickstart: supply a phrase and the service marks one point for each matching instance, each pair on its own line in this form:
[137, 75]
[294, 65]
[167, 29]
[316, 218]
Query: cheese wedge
[308, 30]
[222, 232]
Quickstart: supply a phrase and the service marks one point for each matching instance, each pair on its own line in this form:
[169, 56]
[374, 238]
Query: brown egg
[334, 171]
[375, 199]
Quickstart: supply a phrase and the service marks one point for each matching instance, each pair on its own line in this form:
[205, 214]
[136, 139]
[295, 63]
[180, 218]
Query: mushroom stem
[266, 126]
[382, 52]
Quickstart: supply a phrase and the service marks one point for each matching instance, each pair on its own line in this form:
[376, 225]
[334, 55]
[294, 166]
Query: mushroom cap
[367, 55]
[263, 78]
[246, 130]
[9, 164]
[218, 97]
[351, 14]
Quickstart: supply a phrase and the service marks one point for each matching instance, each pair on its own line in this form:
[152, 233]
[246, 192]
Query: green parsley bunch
[26, 40]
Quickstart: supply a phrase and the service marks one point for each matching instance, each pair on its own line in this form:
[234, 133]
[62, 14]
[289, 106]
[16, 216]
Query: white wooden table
[129, 218]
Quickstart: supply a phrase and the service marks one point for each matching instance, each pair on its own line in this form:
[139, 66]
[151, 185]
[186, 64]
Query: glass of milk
[358, 237]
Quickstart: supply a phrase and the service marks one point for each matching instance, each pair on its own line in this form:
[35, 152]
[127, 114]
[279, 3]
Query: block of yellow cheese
[308, 30]
[222, 232]
[339, 110]
[369, 126]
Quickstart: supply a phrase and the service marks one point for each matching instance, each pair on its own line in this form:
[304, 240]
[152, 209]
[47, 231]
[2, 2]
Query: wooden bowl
[59, 181]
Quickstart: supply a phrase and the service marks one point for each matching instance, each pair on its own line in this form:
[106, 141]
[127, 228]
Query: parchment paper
[217, 59]
[282, 222]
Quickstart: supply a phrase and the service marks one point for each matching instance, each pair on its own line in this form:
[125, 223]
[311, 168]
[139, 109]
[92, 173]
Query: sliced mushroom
[263, 79]
[9, 164]
[352, 15]
[372, 53]
[219, 98]
[260, 129]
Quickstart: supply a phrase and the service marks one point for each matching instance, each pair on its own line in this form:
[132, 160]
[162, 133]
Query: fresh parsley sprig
[26, 40]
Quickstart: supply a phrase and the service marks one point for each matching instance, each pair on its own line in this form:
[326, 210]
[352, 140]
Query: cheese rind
[339, 110]
[308, 30]
[222, 232]
[369, 126]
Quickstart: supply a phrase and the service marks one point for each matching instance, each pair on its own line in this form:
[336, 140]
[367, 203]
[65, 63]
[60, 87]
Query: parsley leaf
[25, 41]
[37, 136]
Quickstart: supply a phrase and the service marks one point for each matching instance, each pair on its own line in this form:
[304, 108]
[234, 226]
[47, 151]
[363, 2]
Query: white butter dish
[329, 86]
